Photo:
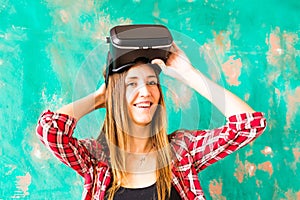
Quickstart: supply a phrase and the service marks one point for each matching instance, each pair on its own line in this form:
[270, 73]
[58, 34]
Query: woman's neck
[139, 137]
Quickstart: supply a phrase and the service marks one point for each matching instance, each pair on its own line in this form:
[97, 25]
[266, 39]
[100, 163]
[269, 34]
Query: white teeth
[143, 105]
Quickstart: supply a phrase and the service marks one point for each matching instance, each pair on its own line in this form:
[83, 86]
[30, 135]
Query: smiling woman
[134, 157]
[138, 134]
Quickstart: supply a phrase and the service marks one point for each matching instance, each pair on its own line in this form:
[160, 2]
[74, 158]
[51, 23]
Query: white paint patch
[280, 51]
[64, 16]
[251, 170]
[37, 152]
[12, 168]
[267, 151]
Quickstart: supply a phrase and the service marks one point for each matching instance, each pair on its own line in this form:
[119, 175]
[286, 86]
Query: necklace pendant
[143, 159]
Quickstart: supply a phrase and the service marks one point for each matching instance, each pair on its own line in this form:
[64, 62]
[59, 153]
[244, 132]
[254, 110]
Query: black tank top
[147, 193]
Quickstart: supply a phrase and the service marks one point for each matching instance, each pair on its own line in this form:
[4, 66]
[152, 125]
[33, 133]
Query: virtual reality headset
[132, 43]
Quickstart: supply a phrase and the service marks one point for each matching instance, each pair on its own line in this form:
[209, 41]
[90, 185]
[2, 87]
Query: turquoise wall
[53, 52]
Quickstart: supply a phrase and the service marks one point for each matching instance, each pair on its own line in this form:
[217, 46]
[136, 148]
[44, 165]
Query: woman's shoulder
[184, 137]
[185, 134]
[96, 148]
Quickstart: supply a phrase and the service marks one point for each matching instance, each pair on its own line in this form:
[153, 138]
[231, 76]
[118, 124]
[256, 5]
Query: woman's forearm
[179, 67]
[85, 105]
[227, 102]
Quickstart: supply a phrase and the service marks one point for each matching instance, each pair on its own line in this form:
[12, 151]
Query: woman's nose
[144, 90]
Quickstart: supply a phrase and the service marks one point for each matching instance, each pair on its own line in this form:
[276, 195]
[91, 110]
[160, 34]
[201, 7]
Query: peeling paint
[290, 195]
[281, 54]
[267, 151]
[250, 168]
[38, 154]
[12, 168]
[278, 96]
[214, 53]
[215, 189]
[179, 94]
[249, 153]
[232, 70]
[281, 43]
[246, 97]
[259, 183]
[222, 41]
[266, 166]
[293, 105]
[64, 16]
[208, 52]
[296, 152]
[244, 170]
[239, 171]
[247, 169]
[22, 185]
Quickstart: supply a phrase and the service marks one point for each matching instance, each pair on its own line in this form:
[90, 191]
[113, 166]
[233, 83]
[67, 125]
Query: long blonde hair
[115, 127]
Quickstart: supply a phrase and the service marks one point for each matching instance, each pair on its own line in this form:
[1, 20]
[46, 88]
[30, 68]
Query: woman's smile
[143, 105]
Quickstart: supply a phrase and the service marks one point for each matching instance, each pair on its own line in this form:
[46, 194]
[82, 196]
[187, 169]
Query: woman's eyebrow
[152, 76]
[132, 77]
[135, 77]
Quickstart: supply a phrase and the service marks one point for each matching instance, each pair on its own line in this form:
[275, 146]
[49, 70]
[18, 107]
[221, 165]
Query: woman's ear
[104, 73]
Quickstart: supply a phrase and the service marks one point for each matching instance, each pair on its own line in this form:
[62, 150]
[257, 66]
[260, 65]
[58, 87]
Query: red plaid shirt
[194, 151]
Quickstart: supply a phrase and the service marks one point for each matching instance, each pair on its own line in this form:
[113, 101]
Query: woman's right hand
[177, 64]
[100, 97]
[85, 105]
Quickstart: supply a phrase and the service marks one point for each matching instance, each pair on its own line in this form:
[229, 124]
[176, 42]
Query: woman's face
[142, 93]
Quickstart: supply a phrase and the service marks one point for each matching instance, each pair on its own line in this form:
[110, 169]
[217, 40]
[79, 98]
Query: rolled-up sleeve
[55, 130]
[207, 147]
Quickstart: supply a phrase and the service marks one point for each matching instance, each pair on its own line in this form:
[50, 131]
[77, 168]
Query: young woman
[134, 157]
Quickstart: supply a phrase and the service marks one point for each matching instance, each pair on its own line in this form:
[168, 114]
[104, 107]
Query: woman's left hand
[177, 64]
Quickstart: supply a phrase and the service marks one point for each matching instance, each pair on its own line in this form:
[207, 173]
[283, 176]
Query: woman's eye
[131, 84]
[152, 83]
